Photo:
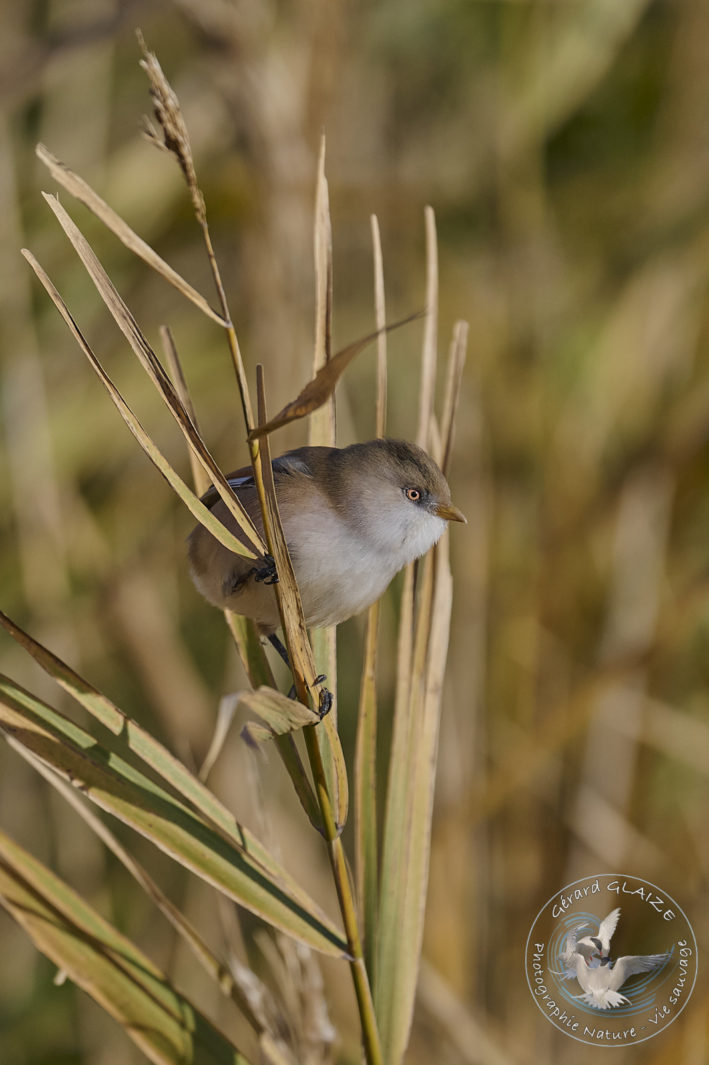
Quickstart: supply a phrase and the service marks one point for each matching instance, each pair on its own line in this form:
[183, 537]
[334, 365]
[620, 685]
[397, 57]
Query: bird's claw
[267, 571]
[324, 703]
[325, 698]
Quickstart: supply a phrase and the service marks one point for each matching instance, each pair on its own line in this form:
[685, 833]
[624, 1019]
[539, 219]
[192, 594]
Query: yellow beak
[450, 513]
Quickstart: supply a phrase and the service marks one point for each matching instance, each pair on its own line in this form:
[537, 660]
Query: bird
[352, 518]
[602, 984]
[601, 942]
[573, 948]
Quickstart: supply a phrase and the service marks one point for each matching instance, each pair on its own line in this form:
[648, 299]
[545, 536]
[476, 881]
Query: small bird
[573, 949]
[602, 983]
[352, 518]
[601, 942]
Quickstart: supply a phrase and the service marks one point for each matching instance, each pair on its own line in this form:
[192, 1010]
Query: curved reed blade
[107, 779]
[83, 192]
[104, 963]
[323, 385]
[197, 508]
[155, 371]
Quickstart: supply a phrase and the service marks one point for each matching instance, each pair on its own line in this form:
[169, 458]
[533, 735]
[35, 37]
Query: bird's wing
[631, 964]
[608, 926]
[299, 461]
[571, 944]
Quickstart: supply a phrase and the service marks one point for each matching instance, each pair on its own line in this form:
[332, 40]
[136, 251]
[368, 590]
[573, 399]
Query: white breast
[340, 571]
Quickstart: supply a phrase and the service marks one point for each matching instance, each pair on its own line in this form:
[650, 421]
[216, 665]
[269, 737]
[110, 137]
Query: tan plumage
[351, 518]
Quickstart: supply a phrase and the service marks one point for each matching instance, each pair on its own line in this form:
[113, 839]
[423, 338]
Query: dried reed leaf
[365, 788]
[287, 592]
[198, 509]
[251, 650]
[429, 356]
[175, 140]
[365, 770]
[199, 477]
[280, 714]
[133, 741]
[423, 643]
[105, 964]
[155, 371]
[406, 842]
[225, 716]
[273, 1051]
[259, 672]
[423, 770]
[322, 428]
[293, 622]
[380, 319]
[214, 968]
[86, 195]
[456, 362]
[233, 867]
[322, 386]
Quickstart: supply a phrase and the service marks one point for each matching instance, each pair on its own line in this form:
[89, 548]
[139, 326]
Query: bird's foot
[325, 697]
[266, 571]
[325, 702]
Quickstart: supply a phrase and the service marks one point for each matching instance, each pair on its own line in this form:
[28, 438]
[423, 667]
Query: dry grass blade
[175, 140]
[407, 829]
[333, 808]
[321, 429]
[366, 805]
[430, 341]
[287, 592]
[456, 362]
[366, 801]
[198, 509]
[423, 767]
[251, 650]
[281, 714]
[215, 969]
[155, 371]
[199, 477]
[225, 716]
[233, 867]
[139, 743]
[259, 673]
[322, 432]
[299, 650]
[323, 385]
[86, 195]
[380, 319]
[159, 1020]
[423, 644]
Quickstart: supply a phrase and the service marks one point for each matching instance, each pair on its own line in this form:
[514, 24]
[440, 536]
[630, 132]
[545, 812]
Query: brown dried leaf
[151, 364]
[322, 386]
[279, 714]
[86, 195]
[429, 357]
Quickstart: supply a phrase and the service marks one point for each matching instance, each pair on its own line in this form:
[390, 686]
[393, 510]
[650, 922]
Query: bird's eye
[413, 494]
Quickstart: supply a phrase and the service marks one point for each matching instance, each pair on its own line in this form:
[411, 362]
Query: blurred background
[564, 145]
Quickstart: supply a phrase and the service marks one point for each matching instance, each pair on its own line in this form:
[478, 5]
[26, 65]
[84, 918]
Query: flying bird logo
[589, 960]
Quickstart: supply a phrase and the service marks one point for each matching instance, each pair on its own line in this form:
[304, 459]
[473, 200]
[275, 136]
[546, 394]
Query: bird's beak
[450, 513]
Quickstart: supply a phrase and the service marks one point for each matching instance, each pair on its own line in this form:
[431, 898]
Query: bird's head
[396, 494]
